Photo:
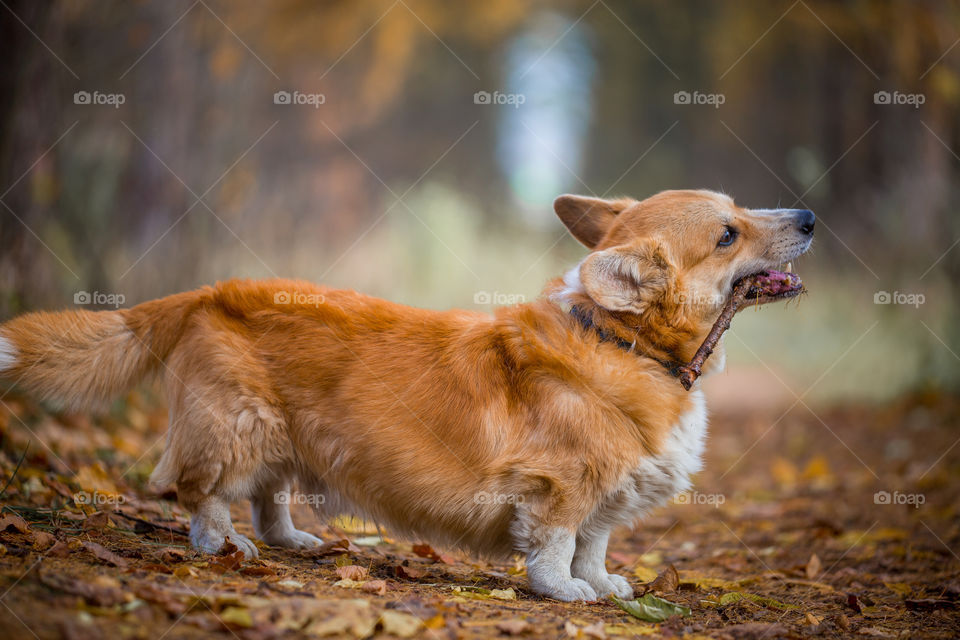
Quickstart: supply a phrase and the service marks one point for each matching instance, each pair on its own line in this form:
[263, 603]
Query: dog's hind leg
[271, 517]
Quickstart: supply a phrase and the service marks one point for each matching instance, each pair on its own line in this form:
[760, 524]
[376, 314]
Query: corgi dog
[536, 429]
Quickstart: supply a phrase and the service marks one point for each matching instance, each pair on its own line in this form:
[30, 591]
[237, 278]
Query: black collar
[586, 321]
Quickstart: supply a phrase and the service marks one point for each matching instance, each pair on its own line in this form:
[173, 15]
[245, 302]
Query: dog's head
[677, 254]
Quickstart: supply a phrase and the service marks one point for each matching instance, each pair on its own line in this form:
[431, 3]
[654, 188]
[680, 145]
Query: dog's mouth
[772, 285]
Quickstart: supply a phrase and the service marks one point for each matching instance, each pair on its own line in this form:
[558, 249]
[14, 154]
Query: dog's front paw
[570, 590]
[245, 544]
[295, 539]
[620, 587]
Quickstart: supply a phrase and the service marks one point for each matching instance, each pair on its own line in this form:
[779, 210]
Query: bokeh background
[393, 176]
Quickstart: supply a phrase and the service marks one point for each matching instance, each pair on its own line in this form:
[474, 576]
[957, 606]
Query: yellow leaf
[645, 574]
[237, 616]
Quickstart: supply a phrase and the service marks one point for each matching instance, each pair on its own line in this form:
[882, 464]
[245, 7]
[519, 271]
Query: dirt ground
[839, 523]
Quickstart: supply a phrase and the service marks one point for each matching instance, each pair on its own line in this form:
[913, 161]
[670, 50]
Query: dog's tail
[82, 359]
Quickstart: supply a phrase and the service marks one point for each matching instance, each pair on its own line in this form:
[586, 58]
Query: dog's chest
[658, 478]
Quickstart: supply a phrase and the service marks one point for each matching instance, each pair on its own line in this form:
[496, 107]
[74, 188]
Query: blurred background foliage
[400, 185]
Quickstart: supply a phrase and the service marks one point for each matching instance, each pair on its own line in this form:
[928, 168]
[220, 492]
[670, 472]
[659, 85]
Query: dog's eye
[729, 235]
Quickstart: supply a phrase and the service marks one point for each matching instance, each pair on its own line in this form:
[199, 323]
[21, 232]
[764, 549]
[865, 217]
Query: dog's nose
[805, 221]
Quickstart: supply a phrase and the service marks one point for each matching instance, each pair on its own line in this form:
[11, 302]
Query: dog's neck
[668, 338]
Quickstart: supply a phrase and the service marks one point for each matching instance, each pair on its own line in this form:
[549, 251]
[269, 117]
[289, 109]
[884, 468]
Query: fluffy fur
[520, 431]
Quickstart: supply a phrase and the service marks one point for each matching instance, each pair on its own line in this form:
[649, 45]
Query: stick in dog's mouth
[766, 286]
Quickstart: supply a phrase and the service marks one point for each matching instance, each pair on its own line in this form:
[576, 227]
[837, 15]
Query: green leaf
[651, 608]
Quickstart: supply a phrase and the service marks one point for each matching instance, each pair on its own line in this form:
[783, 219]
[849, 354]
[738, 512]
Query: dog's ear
[589, 218]
[626, 278]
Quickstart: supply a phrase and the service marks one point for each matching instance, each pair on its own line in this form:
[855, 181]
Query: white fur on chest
[658, 478]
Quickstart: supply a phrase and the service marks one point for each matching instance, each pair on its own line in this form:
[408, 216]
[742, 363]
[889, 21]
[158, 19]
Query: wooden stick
[690, 372]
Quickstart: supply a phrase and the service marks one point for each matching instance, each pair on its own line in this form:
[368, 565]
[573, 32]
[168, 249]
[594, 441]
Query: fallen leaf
[259, 572]
[875, 632]
[651, 608]
[378, 587]
[399, 624]
[813, 566]
[59, 550]
[237, 617]
[169, 555]
[185, 572]
[408, 573]
[645, 574]
[43, 540]
[426, 551]
[13, 521]
[229, 561]
[104, 554]
[666, 582]
[352, 572]
[812, 619]
[327, 549]
[98, 520]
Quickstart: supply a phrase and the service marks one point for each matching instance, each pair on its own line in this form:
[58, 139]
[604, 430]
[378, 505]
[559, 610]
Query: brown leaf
[813, 567]
[98, 520]
[426, 551]
[666, 582]
[378, 587]
[169, 555]
[13, 521]
[259, 572]
[408, 573]
[352, 572]
[104, 554]
[59, 550]
[43, 540]
[231, 562]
